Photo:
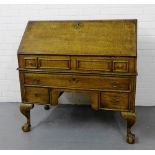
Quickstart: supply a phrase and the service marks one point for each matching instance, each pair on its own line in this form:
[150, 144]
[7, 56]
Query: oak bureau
[97, 57]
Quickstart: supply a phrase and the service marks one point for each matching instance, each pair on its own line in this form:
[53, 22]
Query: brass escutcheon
[77, 25]
[114, 100]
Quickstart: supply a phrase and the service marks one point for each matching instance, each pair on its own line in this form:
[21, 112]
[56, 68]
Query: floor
[74, 127]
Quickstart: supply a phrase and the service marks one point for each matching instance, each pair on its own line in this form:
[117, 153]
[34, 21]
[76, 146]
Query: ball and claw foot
[25, 110]
[26, 127]
[131, 118]
[131, 138]
[46, 107]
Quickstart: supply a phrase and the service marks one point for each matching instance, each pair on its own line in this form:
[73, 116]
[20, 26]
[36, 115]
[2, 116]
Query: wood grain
[95, 57]
[89, 38]
[77, 81]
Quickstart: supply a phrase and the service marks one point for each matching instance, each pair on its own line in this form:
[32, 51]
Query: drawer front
[84, 82]
[95, 65]
[115, 101]
[45, 62]
[30, 62]
[36, 95]
[54, 62]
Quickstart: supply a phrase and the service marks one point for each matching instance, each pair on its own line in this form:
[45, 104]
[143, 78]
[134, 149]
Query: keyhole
[77, 25]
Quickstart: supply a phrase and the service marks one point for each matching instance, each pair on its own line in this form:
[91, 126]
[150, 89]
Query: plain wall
[13, 19]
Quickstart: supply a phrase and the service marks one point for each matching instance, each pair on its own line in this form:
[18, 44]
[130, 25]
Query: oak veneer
[96, 57]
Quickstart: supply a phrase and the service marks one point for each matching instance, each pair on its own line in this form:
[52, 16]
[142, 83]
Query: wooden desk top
[96, 37]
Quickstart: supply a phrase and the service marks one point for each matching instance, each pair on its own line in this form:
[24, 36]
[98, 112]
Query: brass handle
[120, 66]
[30, 63]
[36, 81]
[115, 84]
[36, 95]
[114, 101]
[74, 80]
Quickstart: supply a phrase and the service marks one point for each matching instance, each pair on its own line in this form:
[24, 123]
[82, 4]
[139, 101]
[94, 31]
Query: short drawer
[121, 66]
[76, 81]
[30, 62]
[94, 65]
[115, 101]
[36, 95]
[54, 62]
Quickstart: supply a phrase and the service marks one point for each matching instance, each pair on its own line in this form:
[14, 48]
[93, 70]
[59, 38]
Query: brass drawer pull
[115, 84]
[74, 80]
[120, 66]
[36, 81]
[36, 95]
[30, 63]
[114, 100]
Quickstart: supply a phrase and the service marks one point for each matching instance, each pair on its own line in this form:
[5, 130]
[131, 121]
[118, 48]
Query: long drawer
[77, 81]
[80, 63]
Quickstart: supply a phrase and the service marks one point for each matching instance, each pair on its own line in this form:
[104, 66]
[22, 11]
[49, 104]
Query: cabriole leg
[25, 110]
[130, 117]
